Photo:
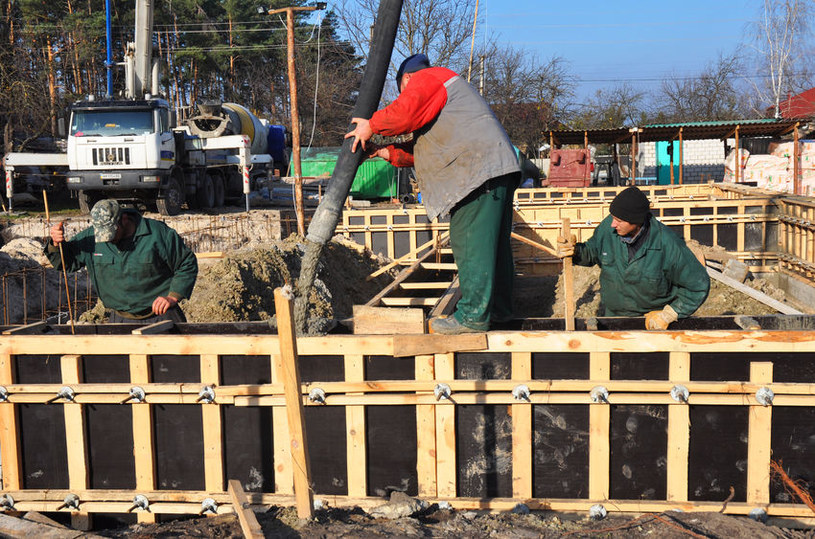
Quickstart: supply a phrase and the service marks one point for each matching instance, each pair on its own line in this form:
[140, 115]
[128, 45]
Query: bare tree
[439, 28]
[712, 95]
[780, 36]
[614, 107]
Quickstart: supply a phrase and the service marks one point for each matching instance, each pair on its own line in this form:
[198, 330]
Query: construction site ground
[238, 287]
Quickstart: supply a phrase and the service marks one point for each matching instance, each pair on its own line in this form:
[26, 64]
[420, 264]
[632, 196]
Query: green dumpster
[376, 178]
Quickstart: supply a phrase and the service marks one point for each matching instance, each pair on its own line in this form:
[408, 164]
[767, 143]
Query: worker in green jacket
[646, 269]
[139, 267]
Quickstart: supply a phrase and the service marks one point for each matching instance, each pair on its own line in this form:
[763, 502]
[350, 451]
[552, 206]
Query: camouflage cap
[105, 219]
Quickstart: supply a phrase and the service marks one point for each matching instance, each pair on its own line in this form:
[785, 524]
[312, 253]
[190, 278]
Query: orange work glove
[565, 246]
[660, 319]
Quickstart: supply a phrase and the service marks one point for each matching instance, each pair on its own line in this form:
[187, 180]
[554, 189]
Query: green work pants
[480, 228]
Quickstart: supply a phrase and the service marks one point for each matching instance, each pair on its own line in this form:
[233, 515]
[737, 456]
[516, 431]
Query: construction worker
[465, 166]
[141, 268]
[646, 269]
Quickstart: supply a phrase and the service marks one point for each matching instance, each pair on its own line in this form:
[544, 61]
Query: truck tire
[169, 203]
[205, 195]
[87, 199]
[219, 190]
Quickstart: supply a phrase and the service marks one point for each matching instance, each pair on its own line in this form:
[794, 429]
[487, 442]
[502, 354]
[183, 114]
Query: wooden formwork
[557, 420]
[796, 218]
[740, 221]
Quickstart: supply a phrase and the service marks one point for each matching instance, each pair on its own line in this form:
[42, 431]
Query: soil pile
[241, 286]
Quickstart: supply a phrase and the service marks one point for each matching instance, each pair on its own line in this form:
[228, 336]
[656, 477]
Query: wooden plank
[9, 439]
[447, 303]
[75, 440]
[153, 329]
[424, 366]
[446, 432]
[536, 245]
[678, 432]
[758, 439]
[28, 329]
[356, 446]
[212, 428]
[440, 285]
[298, 445]
[439, 266]
[283, 475]
[522, 442]
[143, 446]
[407, 256]
[753, 293]
[403, 276]
[369, 320]
[246, 516]
[568, 279]
[420, 345]
[599, 431]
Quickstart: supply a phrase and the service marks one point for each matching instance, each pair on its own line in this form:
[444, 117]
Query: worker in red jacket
[465, 166]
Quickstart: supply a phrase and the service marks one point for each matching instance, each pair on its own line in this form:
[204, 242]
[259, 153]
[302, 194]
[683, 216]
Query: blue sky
[611, 41]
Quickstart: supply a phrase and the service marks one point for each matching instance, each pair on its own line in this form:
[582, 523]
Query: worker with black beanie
[645, 268]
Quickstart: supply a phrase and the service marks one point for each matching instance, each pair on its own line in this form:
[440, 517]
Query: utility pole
[295, 114]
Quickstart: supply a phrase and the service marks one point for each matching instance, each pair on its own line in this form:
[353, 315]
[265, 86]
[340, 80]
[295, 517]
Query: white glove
[565, 246]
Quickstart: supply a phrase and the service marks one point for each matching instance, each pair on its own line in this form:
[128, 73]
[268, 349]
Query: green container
[376, 178]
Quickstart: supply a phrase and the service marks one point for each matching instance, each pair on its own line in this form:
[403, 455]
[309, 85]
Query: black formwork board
[483, 432]
[560, 432]
[391, 436]
[248, 433]
[178, 428]
[325, 428]
[41, 427]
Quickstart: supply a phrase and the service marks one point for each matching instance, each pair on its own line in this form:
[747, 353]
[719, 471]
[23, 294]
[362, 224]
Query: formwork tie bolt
[681, 219]
[140, 501]
[64, 393]
[765, 396]
[6, 502]
[706, 219]
[680, 393]
[442, 391]
[597, 512]
[758, 514]
[539, 224]
[207, 395]
[599, 394]
[690, 197]
[3, 394]
[521, 393]
[589, 222]
[390, 227]
[137, 394]
[208, 506]
[317, 395]
[319, 504]
[71, 501]
[730, 218]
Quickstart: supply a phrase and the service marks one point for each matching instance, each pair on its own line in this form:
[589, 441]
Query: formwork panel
[718, 453]
[391, 452]
[179, 439]
[560, 451]
[325, 434]
[793, 447]
[639, 366]
[248, 431]
[560, 365]
[484, 451]
[639, 439]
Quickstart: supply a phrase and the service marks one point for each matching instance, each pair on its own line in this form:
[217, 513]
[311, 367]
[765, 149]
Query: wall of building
[703, 160]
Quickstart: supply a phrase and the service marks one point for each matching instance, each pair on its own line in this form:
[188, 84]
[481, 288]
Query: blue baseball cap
[411, 64]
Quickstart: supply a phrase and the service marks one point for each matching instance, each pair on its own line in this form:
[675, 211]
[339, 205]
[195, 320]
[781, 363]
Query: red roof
[799, 106]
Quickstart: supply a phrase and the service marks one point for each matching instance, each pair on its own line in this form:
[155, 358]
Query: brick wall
[702, 160]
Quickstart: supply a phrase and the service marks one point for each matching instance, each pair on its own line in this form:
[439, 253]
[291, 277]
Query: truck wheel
[205, 196]
[219, 191]
[86, 200]
[172, 199]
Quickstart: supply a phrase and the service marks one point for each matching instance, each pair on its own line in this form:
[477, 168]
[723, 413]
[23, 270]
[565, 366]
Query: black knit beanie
[631, 205]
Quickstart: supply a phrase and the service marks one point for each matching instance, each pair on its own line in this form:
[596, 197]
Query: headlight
[74, 179]
[151, 178]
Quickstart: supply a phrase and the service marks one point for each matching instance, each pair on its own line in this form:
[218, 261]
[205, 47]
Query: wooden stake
[568, 279]
[284, 303]
[249, 522]
[62, 260]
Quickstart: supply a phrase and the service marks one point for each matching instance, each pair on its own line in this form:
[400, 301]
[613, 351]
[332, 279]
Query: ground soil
[282, 522]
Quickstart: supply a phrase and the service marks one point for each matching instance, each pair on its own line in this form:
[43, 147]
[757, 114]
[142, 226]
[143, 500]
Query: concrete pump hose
[328, 212]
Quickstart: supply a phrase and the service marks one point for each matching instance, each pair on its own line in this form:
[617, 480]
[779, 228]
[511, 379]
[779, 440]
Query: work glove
[660, 319]
[565, 246]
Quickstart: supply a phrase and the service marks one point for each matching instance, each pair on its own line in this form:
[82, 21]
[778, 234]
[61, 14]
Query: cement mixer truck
[130, 150]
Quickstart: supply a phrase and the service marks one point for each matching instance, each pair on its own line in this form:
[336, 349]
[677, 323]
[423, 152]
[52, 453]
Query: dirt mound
[241, 286]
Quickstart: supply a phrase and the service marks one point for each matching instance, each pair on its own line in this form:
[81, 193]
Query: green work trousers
[480, 228]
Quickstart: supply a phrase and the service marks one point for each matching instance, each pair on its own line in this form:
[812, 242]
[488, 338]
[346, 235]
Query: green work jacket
[663, 272]
[154, 262]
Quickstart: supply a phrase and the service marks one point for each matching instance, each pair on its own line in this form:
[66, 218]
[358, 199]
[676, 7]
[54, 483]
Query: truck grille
[111, 156]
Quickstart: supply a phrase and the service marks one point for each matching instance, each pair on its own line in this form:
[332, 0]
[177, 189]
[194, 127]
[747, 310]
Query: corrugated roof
[762, 127]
